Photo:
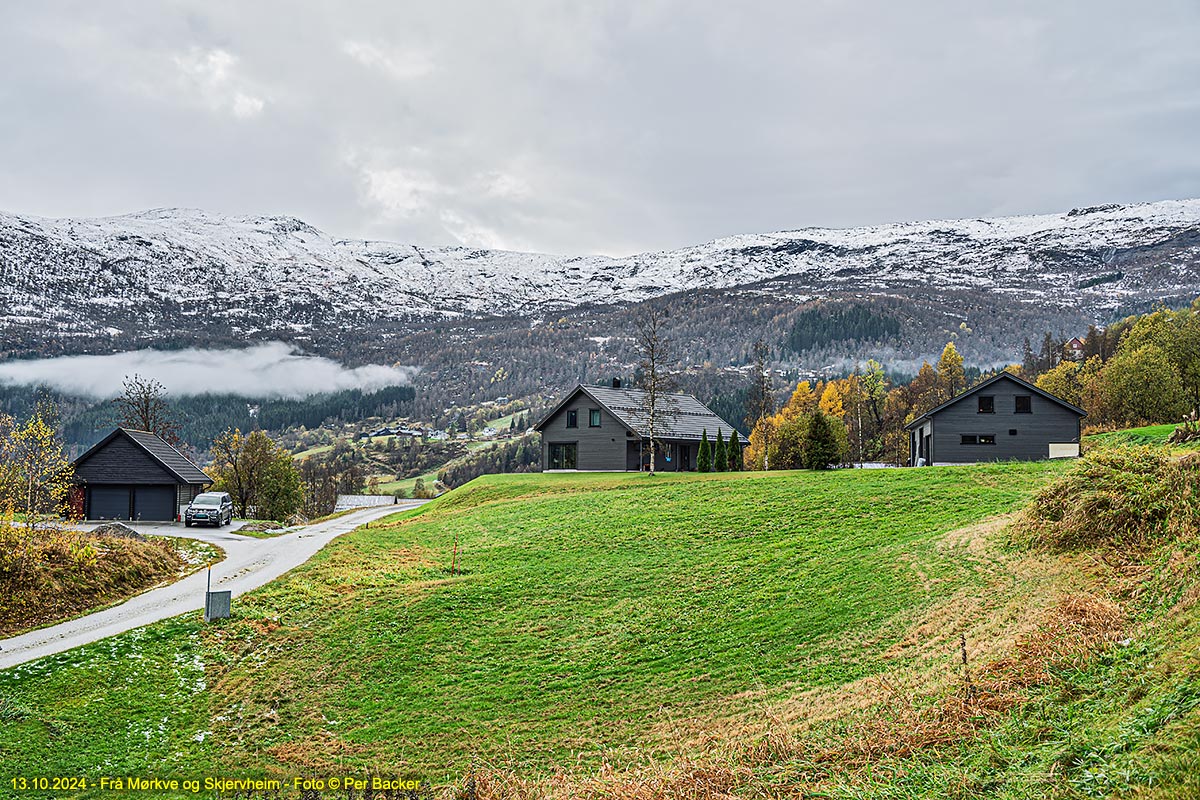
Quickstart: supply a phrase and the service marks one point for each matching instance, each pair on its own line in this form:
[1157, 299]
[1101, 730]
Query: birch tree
[657, 405]
[35, 473]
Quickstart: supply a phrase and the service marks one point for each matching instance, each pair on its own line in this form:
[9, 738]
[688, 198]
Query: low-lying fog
[271, 369]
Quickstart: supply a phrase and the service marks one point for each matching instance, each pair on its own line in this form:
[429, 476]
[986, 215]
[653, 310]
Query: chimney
[616, 383]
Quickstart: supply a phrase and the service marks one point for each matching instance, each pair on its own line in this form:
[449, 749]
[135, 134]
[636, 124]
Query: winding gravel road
[248, 564]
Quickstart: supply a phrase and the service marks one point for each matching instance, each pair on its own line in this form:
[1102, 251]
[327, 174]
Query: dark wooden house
[1003, 418]
[604, 429]
[135, 475]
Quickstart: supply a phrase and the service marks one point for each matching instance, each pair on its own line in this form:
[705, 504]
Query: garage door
[108, 502]
[154, 503]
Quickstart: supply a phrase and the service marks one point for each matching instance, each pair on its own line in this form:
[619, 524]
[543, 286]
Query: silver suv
[210, 508]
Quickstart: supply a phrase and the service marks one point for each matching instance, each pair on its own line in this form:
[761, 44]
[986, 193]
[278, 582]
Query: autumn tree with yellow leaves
[35, 473]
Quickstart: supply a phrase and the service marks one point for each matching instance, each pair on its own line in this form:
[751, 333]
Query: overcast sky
[596, 127]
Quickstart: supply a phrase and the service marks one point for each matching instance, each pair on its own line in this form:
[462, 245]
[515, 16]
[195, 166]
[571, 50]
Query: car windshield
[207, 501]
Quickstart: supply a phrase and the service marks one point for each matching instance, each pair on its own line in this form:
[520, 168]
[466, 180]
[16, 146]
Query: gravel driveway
[249, 563]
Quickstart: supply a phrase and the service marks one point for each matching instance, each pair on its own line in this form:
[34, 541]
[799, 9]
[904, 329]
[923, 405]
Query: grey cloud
[596, 127]
[273, 369]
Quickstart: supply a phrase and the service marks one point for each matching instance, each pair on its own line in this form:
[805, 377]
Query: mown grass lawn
[590, 610]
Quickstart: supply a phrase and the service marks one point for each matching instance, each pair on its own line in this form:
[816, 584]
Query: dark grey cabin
[604, 429]
[1003, 418]
[135, 475]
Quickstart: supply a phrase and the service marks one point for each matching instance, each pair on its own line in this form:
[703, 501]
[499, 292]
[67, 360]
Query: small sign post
[216, 604]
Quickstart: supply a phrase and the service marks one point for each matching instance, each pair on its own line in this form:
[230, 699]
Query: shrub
[1124, 496]
[49, 573]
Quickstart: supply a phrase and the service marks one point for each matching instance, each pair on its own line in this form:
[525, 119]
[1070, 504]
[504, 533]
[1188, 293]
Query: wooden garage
[135, 475]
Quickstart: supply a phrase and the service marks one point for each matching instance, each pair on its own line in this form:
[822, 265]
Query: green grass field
[1151, 434]
[407, 484]
[589, 607]
[600, 618]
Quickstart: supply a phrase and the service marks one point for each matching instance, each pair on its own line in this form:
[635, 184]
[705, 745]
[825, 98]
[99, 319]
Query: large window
[562, 456]
[572, 419]
[1024, 404]
[987, 404]
[981, 438]
[593, 418]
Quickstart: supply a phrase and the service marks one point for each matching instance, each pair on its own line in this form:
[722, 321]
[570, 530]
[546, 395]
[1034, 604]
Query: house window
[593, 418]
[563, 456]
[1012, 431]
[987, 404]
[1024, 404]
[572, 419]
[982, 438]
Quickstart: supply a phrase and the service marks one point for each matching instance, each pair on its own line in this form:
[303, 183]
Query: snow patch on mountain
[178, 267]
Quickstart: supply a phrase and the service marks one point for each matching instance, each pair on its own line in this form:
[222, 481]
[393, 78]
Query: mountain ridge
[187, 272]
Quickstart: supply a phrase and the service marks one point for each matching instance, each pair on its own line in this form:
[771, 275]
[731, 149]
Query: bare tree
[143, 406]
[762, 397]
[657, 404]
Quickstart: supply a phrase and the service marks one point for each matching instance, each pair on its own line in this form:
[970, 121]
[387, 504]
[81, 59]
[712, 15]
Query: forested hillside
[201, 418]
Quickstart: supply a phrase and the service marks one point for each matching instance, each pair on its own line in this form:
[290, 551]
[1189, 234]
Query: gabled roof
[682, 415]
[1024, 384]
[170, 459]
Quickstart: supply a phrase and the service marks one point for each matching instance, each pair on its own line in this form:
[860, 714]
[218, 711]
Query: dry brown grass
[49, 574]
[1128, 499]
[1068, 634]
[320, 752]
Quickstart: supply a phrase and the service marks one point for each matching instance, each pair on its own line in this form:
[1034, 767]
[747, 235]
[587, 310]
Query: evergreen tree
[1029, 362]
[1093, 343]
[704, 456]
[733, 453]
[1047, 358]
[820, 443]
[719, 457]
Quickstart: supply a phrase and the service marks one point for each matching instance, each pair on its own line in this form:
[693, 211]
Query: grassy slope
[593, 609]
[1151, 434]
[407, 484]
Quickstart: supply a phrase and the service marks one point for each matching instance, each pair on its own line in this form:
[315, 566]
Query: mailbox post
[216, 604]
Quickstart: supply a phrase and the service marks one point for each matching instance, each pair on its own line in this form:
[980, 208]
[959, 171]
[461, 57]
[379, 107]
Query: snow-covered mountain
[179, 273]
